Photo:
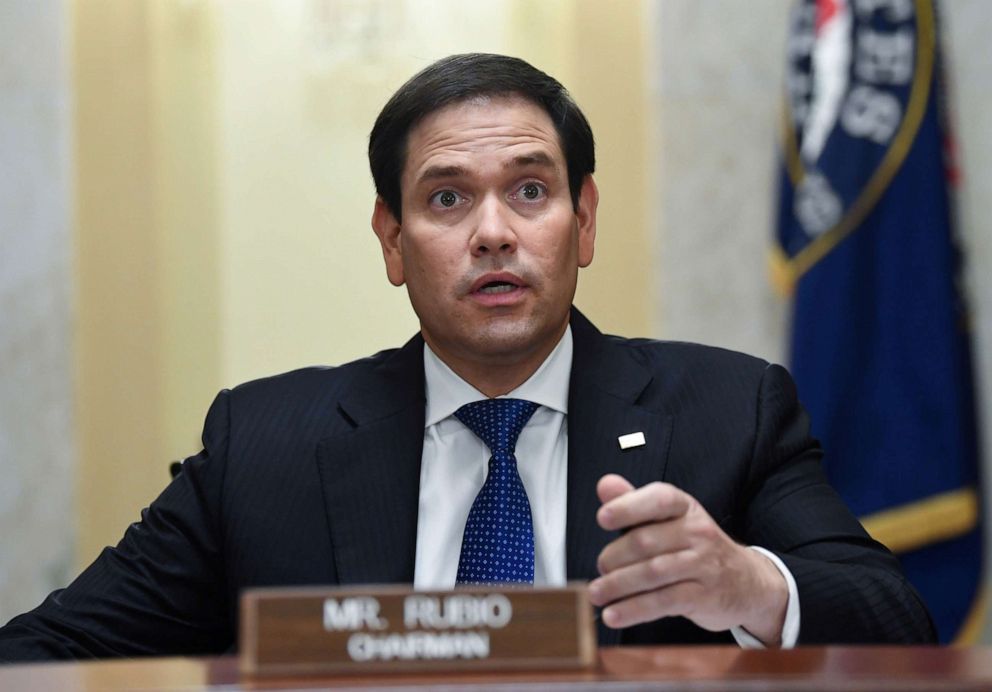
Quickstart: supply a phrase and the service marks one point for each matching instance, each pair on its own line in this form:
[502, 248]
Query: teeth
[497, 288]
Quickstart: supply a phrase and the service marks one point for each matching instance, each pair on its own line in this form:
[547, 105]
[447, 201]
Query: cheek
[557, 254]
[428, 263]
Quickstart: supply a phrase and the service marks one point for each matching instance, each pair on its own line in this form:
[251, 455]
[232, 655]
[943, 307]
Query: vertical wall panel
[37, 507]
[967, 27]
[717, 88]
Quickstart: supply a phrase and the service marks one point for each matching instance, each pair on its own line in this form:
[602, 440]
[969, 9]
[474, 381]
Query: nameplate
[310, 630]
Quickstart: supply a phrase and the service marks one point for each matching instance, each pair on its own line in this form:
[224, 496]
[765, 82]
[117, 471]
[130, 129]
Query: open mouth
[497, 287]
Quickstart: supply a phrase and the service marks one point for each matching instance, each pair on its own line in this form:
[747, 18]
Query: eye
[530, 192]
[445, 198]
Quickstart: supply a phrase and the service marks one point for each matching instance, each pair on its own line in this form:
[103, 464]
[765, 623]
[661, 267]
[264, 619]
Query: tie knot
[497, 422]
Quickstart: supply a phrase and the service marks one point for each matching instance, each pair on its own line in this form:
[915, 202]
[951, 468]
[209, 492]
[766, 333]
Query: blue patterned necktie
[498, 545]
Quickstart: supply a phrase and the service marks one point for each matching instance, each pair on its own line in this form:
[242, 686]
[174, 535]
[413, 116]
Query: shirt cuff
[790, 629]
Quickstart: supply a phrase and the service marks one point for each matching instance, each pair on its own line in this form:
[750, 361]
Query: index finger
[653, 502]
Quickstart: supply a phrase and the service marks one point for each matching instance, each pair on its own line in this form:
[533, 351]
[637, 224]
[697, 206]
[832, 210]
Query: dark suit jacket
[312, 477]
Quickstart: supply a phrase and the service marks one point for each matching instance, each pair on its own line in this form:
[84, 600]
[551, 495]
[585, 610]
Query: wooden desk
[669, 668]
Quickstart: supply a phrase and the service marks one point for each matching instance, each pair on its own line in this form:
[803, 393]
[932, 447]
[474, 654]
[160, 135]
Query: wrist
[765, 618]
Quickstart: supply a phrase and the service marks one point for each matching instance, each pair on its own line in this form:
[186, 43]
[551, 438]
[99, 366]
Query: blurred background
[185, 203]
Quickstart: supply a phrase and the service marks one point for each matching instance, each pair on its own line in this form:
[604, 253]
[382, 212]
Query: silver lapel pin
[630, 440]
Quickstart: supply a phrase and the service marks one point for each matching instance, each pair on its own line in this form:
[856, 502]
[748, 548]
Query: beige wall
[224, 200]
[145, 253]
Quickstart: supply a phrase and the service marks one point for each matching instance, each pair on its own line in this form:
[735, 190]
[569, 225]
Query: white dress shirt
[455, 463]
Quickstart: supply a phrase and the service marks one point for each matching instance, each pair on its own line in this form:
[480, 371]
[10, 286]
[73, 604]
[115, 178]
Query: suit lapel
[369, 461]
[603, 404]
[370, 471]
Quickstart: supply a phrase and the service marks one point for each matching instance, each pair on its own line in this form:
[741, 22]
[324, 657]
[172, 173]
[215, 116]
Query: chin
[509, 338]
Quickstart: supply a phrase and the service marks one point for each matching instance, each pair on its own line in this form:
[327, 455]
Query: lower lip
[502, 299]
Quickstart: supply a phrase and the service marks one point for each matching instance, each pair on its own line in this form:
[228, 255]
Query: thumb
[612, 486]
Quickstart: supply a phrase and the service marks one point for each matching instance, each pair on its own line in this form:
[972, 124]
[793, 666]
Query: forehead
[479, 132]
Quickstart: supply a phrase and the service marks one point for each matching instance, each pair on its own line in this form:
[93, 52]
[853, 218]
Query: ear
[387, 229]
[585, 217]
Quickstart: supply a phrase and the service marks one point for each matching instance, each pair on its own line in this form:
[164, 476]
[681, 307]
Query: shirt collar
[548, 386]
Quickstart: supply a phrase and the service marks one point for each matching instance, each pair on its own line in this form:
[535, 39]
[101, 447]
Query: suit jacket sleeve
[851, 589]
[159, 591]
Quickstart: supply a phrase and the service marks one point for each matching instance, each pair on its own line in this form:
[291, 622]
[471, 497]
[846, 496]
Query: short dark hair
[459, 78]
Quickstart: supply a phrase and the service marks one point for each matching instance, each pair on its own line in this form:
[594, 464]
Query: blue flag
[880, 340]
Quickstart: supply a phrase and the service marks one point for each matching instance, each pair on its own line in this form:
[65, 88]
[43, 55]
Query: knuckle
[657, 567]
[684, 560]
[645, 541]
[708, 531]
[658, 491]
[704, 528]
[661, 602]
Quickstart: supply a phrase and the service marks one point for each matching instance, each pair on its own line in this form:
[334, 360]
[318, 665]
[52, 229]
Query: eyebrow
[435, 172]
[537, 158]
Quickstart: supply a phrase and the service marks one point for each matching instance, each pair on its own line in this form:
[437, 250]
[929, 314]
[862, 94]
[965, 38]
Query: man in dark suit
[681, 480]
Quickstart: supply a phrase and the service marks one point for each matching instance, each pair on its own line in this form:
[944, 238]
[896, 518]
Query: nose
[493, 233]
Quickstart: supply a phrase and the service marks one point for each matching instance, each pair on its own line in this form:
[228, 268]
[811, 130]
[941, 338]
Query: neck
[496, 375]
